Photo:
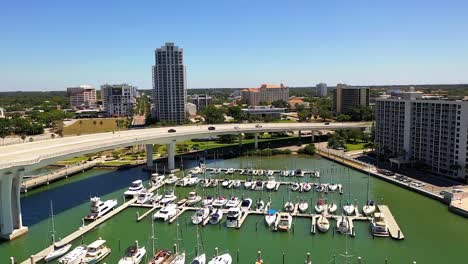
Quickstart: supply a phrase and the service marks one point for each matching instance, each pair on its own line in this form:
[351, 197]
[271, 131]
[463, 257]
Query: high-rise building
[119, 99]
[201, 101]
[434, 133]
[346, 98]
[169, 84]
[322, 90]
[82, 97]
[265, 93]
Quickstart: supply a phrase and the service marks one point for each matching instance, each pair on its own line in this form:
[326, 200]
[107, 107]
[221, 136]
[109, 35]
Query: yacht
[74, 257]
[332, 208]
[349, 208]
[248, 184]
[133, 255]
[342, 224]
[379, 225]
[320, 206]
[323, 224]
[258, 186]
[233, 217]
[306, 187]
[230, 171]
[213, 183]
[284, 222]
[144, 196]
[369, 208]
[193, 199]
[270, 217]
[320, 188]
[201, 215]
[332, 187]
[134, 189]
[246, 204]
[233, 202]
[216, 216]
[260, 205]
[271, 184]
[192, 180]
[96, 252]
[205, 183]
[156, 179]
[295, 187]
[207, 200]
[168, 197]
[166, 213]
[100, 208]
[303, 206]
[289, 207]
[199, 259]
[222, 259]
[219, 202]
[196, 170]
[237, 184]
[156, 198]
[57, 252]
[226, 183]
[171, 179]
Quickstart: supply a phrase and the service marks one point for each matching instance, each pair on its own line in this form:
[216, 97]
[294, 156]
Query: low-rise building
[264, 111]
[119, 99]
[82, 97]
[266, 93]
[295, 101]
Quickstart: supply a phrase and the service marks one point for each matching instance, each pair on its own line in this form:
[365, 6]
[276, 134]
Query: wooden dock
[393, 228]
[153, 208]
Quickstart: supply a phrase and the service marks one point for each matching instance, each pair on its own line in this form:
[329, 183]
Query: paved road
[45, 152]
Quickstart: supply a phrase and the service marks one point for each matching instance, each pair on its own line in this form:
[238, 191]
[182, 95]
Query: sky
[50, 45]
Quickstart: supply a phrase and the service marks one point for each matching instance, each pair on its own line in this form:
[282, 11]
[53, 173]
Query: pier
[393, 228]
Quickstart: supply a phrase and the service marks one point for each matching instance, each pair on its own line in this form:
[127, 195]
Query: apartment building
[82, 97]
[119, 99]
[265, 93]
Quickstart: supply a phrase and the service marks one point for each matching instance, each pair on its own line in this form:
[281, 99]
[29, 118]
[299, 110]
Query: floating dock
[393, 228]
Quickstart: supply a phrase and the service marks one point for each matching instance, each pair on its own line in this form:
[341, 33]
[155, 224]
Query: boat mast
[199, 244]
[53, 224]
[368, 183]
[153, 238]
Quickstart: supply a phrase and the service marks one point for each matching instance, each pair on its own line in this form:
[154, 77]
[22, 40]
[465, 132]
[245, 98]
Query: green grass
[88, 126]
[359, 145]
[73, 160]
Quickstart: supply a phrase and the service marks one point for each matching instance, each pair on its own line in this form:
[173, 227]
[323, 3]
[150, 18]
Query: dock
[393, 228]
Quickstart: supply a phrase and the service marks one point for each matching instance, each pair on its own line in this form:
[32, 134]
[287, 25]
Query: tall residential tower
[169, 84]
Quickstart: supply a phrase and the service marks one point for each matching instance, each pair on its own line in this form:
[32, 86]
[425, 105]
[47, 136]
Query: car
[171, 130]
[327, 123]
[211, 128]
[236, 127]
[258, 126]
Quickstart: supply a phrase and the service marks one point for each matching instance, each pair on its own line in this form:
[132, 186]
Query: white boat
[219, 202]
[342, 224]
[320, 206]
[199, 259]
[222, 259]
[303, 206]
[144, 196]
[237, 184]
[332, 187]
[369, 208]
[320, 188]
[168, 197]
[207, 200]
[166, 213]
[233, 202]
[201, 215]
[246, 204]
[171, 179]
[289, 207]
[96, 252]
[323, 224]
[271, 184]
[379, 225]
[133, 255]
[306, 187]
[160, 257]
[248, 184]
[233, 217]
[179, 258]
[193, 199]
[57, 252]
[156, 179]
[270, 217]
[216, 216]
[135, 188]
[192, 180]
[100, 208]
[258, 186]
[284, 222]
[74, 257]
[295, 187]
[205, 183]
[260, 205]
[230, 171]
[213, 183]
[332, 208]
[226, 183]
[349, 208]
[196, 170]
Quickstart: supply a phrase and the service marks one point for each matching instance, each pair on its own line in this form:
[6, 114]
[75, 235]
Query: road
[36, 154]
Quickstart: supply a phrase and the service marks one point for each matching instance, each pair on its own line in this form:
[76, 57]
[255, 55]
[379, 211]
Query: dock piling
[284, 257]
[359, 260]
[32, 259]
[12, 260]
[216, 252]
[308, 261]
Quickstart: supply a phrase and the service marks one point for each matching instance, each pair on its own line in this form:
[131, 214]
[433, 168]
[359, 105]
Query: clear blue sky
[49, 45]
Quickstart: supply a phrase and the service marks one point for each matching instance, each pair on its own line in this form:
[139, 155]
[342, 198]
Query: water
[433, 235]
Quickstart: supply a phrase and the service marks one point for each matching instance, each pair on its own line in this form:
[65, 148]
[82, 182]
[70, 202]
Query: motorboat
[260, 205]
[192, 180]
[75, 256]
[179, 258]
[213, 183]
[134, 189]
[320, 188]
[306, 187]
[299, 173]
[205, 183]
[57, 252]
[171, 179]
[349, 208]
[156, 198]
[332, 187]
[289, 207]
[208, 200]
[96, 252]
[258, 186]
[295, 187]
[182, 202]
[248, 184]
[379, 225]
[284, 222]
[271, 184]
[236, 184]
[168, 197]
[320, 206]
[193, 199]
[160, 257]
[292, 173]
[233, 217]
[233, 202]
[303, 206]
[201, 215]
[230, 171]
[270, 217]
[144, 196]
[369, 208]
[332, 208]
[261, 172]
[100, 208]
[246, 204]
[221, 259]
[216, 216]
[196, 170]
[133, 255]
[323, 224]
[342, 224]
[201, 259]
[219, 202]
[156, 179]
[226, 183]
[315, 174]
[166, 213]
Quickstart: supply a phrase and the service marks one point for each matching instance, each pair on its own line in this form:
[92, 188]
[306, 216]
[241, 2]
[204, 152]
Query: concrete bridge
[15, 160]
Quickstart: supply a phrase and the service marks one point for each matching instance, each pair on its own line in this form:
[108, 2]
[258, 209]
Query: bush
[309, 150]
[267, 152]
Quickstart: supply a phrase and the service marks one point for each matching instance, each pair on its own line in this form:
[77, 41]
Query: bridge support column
[11, 225]
[256, 141]
[149, 155]
[170, 155]
[312, 136]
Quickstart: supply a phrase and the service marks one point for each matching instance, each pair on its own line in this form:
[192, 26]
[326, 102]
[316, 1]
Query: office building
[266, 93]
[82, 97]
[201, 101]
[431, 133]
[346, 98]
[169, 84]
[264, 111]
[322, 90]
[119, 99]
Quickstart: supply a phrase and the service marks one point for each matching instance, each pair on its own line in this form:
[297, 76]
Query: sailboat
[133, 254]
[200, 257]
[343, 225]
[58, 251]
[179, 257]
[369, 208]
[303, 206]
[323, 224]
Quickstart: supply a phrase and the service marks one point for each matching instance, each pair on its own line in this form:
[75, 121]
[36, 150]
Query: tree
[343, 118]
[324, 114]
[23, 137]
[309, 149]
[227, 139]
[354, 134]
[182, 147]
[279, 104]
[213, 115]
[236, 112]
[4, 128]
[304, 114]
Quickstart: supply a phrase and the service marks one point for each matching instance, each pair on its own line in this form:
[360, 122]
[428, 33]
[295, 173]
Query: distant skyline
[51, 45]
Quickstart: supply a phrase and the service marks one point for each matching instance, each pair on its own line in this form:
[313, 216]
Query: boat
[216, 216]
[226, 183]
[156, 198]
[303, 206]
[369, 208]
[144, 196]
[205, 183]
[135, 188]
[306, 187]
[192, 180]
[213, 183]
[208, 200]
[342, 224]
[233, 202]
[222, 259]
[161, 256]
[258, 186]
[96, 252]
[100, 208]
[332, 208]
[237, 184]
[219, 202]
[171, 179]
[182, 202]
[230, 171]
[320, 206]
[166, 213]
[248, 184]
[156, 179]
[246, 204]
[133, 254]
[379, 225]
[75, 256]
[233, 217]
[193, 199]
[270, 217]
[289, 207]
[349, 208]
[168, 197]
[201, 259]
[295, 187]
[201, 215]
[332, 187]
[179, 258]
[323, 224]
[271, 184]
[58, 251]
[260, 205]
[320, 188]
[284, 221]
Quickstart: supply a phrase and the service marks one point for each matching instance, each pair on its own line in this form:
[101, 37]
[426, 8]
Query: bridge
[17, 159]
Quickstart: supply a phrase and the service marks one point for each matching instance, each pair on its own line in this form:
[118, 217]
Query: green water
[433, 235]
